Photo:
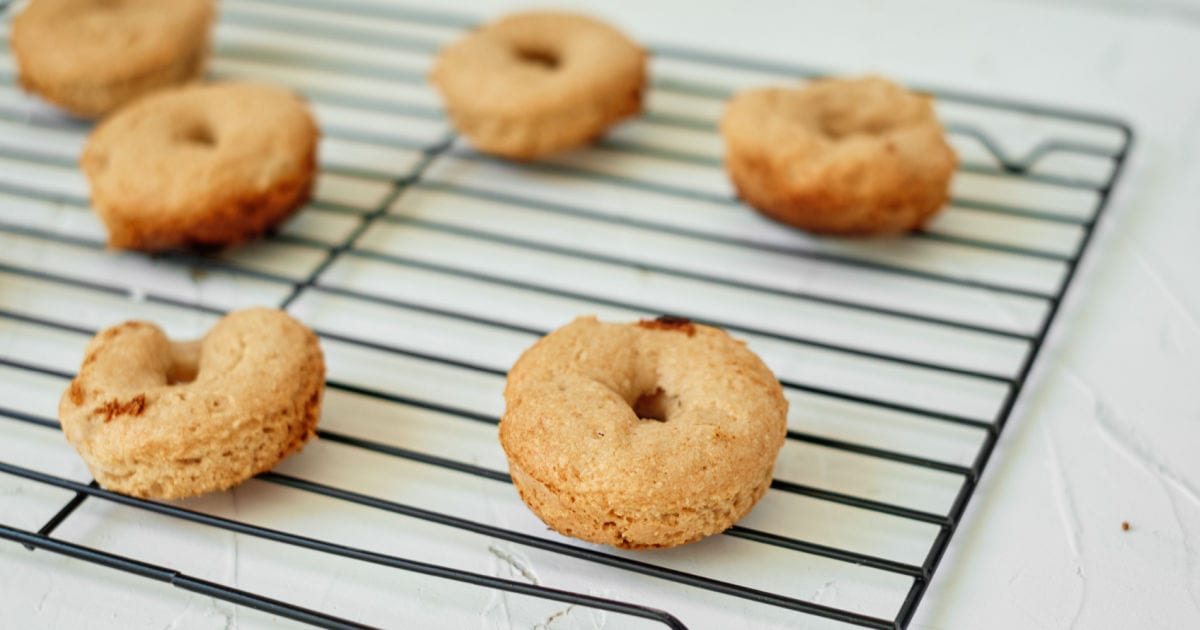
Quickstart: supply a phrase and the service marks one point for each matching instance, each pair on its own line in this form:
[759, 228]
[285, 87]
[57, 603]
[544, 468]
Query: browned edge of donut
[228, 222]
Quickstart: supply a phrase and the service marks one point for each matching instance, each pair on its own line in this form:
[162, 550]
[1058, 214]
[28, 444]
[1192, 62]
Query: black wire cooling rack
[411, 231]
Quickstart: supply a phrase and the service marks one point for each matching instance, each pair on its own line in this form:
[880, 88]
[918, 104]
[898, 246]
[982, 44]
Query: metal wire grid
[411, 163]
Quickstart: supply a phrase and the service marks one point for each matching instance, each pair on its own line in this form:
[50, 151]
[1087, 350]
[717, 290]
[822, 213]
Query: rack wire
[425, 267]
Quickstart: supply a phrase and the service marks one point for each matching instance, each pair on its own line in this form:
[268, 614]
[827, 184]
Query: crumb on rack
[1125, 526]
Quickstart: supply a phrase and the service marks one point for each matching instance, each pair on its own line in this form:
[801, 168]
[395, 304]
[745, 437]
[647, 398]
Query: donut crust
[641, 436]
[90, 57]
[202, 166]
[839, 156]
[532, 84]
[160, 419]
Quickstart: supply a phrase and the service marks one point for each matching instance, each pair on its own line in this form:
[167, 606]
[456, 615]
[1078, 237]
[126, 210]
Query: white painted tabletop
[1107, 431]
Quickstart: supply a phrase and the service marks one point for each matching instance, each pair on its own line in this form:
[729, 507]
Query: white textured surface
[1106, 432]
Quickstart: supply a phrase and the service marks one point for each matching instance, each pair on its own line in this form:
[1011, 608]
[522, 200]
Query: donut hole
[199, 133]
[539, 57]
[838, 124]
[655, 405]
[181, 374]
[100, 162]
[185, 363]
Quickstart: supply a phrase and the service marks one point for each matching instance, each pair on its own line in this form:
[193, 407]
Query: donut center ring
[656, 405]
[836, 125]
[185, 363]
[537, 56]
[198, 133]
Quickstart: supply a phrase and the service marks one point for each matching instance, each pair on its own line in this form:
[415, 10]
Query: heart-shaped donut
[162, 419]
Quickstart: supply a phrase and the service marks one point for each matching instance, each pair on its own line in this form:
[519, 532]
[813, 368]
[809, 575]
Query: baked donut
[641, 436]
[840, 156]
[202, 166]
[532, 84]
[91, 56]
[162, 419]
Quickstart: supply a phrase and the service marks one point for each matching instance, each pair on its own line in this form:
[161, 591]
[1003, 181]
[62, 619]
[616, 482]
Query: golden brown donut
[640, 436]
[202, 166]
[92, 56]
[156, 418]
[532, 84]
[839, 156]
